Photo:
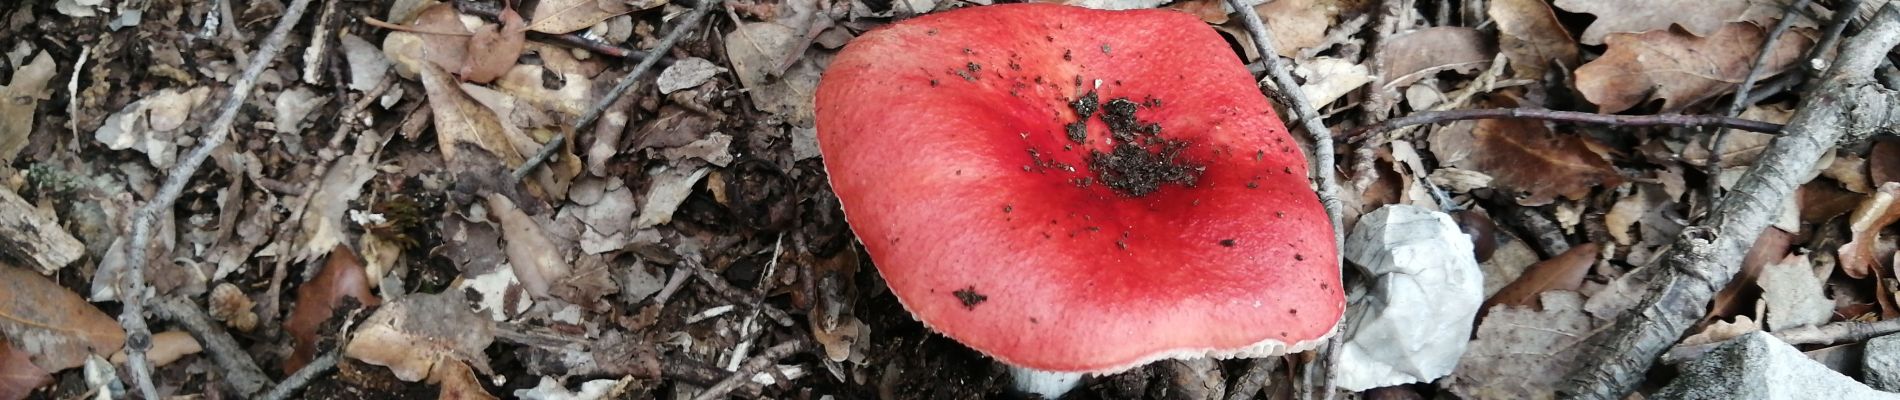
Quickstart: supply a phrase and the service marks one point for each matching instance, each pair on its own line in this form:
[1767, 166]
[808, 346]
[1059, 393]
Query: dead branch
[620, 89]
[1291, 96]
[303, 376]
[1439, 117]
[235, 364]
[752, 366]
[1740, 100]
[1258, 374]
[1850, 106]
[132, 280]
[1838, 332]
[34, 238]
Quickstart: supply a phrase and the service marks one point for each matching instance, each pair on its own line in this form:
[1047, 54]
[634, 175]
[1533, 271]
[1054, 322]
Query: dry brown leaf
[51, 323]
[458, 382]
[459, 118]
[537, 262]
[1700, 18]
[1520, 353]
[1531, 37]
[1738, 298]
[755, 50]
[319, 299]
[563, 16]
[167, 347]
[1298, 24]
[1526, 157]
[1858, 257]
[1721, 331]
[1794, 296]
[494, 48]
[1679, 68]
[440, 39]
[1883, 163]
[1423, 52]
[18, 101]
[1563, 272]
[1821, 201]
[18, 375]
[414, 335]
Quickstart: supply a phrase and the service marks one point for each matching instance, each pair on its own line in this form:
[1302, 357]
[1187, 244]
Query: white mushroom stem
[1048, 384]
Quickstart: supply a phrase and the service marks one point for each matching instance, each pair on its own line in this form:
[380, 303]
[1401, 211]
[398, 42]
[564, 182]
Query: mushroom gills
[1048, 384]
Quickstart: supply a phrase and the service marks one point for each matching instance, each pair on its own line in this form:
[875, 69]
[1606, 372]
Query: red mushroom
[1078, 191]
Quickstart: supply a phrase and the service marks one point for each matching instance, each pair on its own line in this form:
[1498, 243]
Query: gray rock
[1881, 367]
[1759, 366]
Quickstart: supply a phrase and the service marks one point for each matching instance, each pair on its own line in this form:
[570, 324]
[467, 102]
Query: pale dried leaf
[1420, 53]
[458, 382]
[1794, 294]
[52, 324]
[1328, 78]
[755, 50]
[367, 63]
[687, 73]
[563, 16]
[551, 389]
[294, 105]
[446, 46]
[1679, 68]
[670, 187]
[18, 101]
[1700, 18]
[413, 335]
[1858, 257]
[323, 221]
[537, 262]
[1738, 298]
[1722, 331]
[1531, 37]
[151, 124]
[459, 118]
[1521, 353]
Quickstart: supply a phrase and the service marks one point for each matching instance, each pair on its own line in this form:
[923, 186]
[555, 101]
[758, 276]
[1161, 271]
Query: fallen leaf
[1521, 353]
[1297, 25]
[1821, 201]
[755, 50]
[1531, 37]
[293, 105]
[1883, 163]
[53, 325]
[319, 299]
[1851, 171]
[1699, 18]
[18, 375]
[458, 382]
[670, 187]
[440, 38]
[367, 63]
[551, 389]
[323, 224]
[18, 101]
[78, 8]
[1421, 53]
[414, 335]
[1327, 78]
[151, 124]
[1722, 331]
[1794, 294]
[1858, 257]
[1738, 298]
[1563, 272]
[687, 73]
[459, 118]
[563, 16]
[494, 48]
[1525, 156]
[1680, 68]
[537, 262]
[167, 347]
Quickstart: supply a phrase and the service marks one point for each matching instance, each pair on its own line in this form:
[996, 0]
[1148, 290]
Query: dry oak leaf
[1678, 67]
[1520, 353]
[1698, 17]
[18, 375]
[440, 38]
[415, 335]
[494, 48]
[317, 300]
[1531, 37]
[51, 323]
[459, 118]
[1563, 272]
[1526, 157]
[1421, 53]
[1858, 257]
[563, 16]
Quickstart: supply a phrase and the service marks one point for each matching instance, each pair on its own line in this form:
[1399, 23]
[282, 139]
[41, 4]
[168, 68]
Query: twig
[733, 293]
[1439, 117]
[303, 376]
[567, 39]
[620, 89]
[1816, 64]
[1739, 101]
[1705, 257]
[132, 280]
[237, 367]
[753, 366]
[1322, 137]
[1838, 332]
[1249, 383]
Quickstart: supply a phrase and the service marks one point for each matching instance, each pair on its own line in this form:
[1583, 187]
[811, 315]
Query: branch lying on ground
[1739, 101]
[1849, 105]
[1439, 117]
[1322, 154]
[1838, 332]
[620, 89]
[132, 280]
[752, 366]
[234, 363]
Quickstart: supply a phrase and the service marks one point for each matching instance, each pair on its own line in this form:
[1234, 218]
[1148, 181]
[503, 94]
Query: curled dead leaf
[1531, 37]
[415, 335]
[1678, 67]
[53, 325]
[1859, 256]
[319, 299]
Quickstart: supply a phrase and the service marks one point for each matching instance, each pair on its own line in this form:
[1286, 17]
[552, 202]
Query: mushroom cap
[946, 141]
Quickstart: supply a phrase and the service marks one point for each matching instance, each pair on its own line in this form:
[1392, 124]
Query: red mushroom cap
[1187, 230]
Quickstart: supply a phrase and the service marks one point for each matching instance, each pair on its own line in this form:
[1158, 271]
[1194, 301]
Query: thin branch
[620, 89]
[1849, 105]
[1439, 117]
[1322, 155]
[303, 376]
[233, 362]
[1739, 101]
[1258, 374]
[752, 366]
[132, 280]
